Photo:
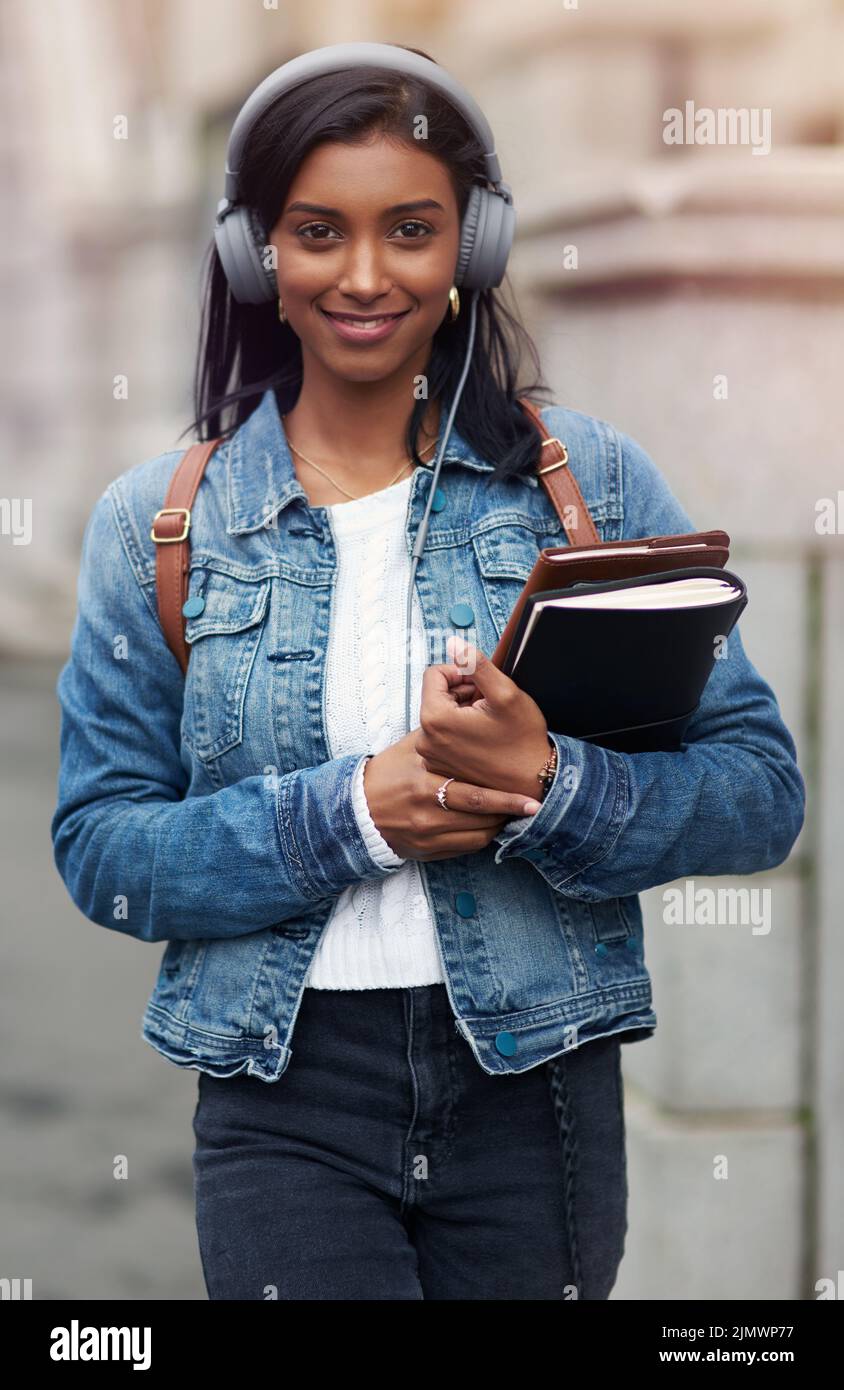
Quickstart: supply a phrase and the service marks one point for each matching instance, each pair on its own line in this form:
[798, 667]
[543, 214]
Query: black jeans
[385, 1163]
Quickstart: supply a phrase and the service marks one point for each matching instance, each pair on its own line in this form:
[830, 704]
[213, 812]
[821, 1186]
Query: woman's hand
[402, 800]
[477, 725]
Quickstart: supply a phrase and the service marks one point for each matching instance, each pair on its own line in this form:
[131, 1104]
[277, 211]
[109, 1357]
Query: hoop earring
[454, 301]
[282, 312]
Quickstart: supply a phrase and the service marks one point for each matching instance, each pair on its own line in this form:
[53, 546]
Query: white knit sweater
[380, 933]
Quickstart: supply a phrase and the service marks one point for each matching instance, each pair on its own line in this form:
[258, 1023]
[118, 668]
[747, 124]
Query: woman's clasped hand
[476, 726]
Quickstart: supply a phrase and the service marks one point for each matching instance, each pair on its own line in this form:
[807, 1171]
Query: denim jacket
[208, 813]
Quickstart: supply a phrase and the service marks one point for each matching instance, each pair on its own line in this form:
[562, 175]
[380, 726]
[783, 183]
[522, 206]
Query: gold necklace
[406, 464]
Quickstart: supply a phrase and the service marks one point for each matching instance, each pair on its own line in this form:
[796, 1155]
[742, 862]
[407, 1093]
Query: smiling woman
[361, 219]
[404, 987]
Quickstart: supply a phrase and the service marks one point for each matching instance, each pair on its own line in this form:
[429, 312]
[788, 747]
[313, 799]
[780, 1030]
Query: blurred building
[690, 293]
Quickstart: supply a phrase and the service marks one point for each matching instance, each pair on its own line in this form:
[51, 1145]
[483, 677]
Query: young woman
[384, 945]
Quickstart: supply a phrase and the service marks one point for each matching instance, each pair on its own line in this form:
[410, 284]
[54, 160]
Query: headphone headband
[337, 57]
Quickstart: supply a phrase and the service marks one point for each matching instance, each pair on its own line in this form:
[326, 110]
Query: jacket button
[600, 949]
[192, 607]
[506, 1044]
[461, 615]
[534, 855]
[465, 904]
[632, 943]
[439, 500]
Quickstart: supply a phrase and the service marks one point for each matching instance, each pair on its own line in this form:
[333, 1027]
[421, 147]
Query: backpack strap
[560, 483]
[170, 530]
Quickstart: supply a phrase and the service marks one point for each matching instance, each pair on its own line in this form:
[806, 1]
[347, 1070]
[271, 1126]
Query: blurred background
[693, 295]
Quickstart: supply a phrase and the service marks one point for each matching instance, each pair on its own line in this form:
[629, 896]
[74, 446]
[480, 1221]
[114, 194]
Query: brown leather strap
[170, 531]
[561, 484]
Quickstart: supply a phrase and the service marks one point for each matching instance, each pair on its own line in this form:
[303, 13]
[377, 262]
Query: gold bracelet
[549, 767]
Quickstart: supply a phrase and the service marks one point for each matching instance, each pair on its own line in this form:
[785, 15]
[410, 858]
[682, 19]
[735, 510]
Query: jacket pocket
[178, 974]
[505, 556]
[223, 639]
[611, 921]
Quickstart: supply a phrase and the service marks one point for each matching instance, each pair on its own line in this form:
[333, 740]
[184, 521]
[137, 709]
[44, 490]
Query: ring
[441, 794]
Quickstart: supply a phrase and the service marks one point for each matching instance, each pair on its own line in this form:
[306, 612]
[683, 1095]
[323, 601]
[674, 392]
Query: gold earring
[282, 312]
[454, 301]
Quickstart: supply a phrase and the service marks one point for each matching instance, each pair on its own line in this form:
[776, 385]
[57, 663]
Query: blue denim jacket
[209, 813]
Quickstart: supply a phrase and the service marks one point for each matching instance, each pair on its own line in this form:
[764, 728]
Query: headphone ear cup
[240, 241]
[486, 236]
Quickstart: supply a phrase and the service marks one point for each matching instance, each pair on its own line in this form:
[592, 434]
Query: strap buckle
[549, 467]
[170, 511]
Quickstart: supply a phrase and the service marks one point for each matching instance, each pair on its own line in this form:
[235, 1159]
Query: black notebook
[623, 663]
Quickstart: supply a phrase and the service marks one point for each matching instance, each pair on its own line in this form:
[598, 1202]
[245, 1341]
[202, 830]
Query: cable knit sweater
[380, 933]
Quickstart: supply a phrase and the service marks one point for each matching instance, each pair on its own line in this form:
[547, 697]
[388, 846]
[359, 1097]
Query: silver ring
[441, 794]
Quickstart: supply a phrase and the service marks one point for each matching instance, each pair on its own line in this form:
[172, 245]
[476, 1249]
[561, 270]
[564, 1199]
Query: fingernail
[531, 807]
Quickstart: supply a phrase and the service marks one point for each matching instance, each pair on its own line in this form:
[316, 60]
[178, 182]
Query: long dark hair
[245, 350]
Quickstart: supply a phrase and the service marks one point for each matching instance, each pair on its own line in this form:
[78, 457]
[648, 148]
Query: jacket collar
[261, 476]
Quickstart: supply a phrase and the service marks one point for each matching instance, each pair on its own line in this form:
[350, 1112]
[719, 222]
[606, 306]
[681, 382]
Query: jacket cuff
[319, 829]
[580, 817]
[373, 839]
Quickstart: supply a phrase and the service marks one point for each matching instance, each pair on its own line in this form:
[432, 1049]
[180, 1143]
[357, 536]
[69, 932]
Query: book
[623, 662]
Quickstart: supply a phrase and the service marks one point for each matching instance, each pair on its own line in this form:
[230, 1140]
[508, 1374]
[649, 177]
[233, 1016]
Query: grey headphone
[488, 226]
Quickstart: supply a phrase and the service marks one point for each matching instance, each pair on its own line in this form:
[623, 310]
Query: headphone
[488, 226]
[486, 230]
